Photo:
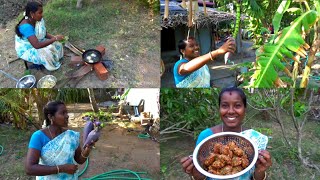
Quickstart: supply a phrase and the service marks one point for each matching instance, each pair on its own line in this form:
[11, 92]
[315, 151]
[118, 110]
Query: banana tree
[289, 43]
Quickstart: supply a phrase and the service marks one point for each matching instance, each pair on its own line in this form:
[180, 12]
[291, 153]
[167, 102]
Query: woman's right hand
[187, 164]
[229, 46]
[68, 168]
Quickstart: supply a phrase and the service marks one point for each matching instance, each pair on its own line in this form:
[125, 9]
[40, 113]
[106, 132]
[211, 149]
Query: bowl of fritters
[225, 155]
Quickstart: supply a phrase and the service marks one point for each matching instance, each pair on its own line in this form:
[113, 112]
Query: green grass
[15, 143]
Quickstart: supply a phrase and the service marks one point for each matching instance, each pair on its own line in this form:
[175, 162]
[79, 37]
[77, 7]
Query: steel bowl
[48, 81]
[27, 81]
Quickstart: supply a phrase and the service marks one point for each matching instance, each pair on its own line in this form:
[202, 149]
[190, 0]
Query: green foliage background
[198, 107]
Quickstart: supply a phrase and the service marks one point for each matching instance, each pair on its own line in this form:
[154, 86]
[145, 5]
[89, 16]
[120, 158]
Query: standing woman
[33, 43]
[55, 151]
[191, 71]
[232, 107]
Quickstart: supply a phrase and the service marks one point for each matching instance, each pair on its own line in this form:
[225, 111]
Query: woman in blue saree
[33, 43]
[191, 71]
[232, 103]
[55, 152]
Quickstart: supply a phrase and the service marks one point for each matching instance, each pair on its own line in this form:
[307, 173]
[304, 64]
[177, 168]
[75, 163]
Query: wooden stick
[183, 4]
[166, 10]
[204, 7]
[190, 14]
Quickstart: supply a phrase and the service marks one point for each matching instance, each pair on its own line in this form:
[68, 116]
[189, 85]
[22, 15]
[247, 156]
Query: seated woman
[232, 103]
[33, 43]
[55, 151]
[192, 71]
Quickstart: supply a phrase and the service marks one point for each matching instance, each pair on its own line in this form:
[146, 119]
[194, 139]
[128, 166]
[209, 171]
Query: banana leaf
[278, 16]
[269, 57]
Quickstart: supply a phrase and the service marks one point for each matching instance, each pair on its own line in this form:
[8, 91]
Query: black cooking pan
[90, 56]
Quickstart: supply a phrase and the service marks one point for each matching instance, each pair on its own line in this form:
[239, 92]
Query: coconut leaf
[269, 57]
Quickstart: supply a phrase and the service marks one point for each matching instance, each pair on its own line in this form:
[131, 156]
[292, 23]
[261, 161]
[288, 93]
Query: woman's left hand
[59, 37]
[264, 161]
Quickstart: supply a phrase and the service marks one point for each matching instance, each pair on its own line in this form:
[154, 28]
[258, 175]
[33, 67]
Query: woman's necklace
[223, 130]
[50, 132]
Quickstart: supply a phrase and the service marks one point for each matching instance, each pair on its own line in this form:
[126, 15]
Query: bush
[153, 4]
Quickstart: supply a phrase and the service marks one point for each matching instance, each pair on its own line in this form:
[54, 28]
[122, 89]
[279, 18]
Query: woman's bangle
[56, 38]
[265, 176]
[211, 56]
[84, 156]
[58, 169]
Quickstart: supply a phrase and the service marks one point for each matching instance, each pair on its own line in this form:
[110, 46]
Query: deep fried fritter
[232, 145]
[225, 158]
[245, 162]
[218, 164]
[236, 169]
[226, 170]
[217, 147]
[236, 161]
[210, 159]
[238, 152]
[225, 150]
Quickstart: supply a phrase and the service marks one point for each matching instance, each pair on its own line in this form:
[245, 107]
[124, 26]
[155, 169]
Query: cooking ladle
[22, 83]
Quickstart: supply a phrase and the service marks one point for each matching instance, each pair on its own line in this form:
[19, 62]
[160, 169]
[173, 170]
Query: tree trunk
[79, 4]
[93, 101]
[40, 103]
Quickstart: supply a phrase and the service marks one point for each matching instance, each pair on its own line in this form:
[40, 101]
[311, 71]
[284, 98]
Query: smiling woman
[55, 151]
[232, 108]
[192, 71]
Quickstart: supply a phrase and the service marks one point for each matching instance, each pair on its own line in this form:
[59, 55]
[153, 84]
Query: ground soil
[132, 70]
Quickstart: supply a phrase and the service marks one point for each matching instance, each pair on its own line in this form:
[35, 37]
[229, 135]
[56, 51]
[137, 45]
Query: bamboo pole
[166, 10]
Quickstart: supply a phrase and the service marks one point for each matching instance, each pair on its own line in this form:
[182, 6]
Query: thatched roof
[179, 16]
